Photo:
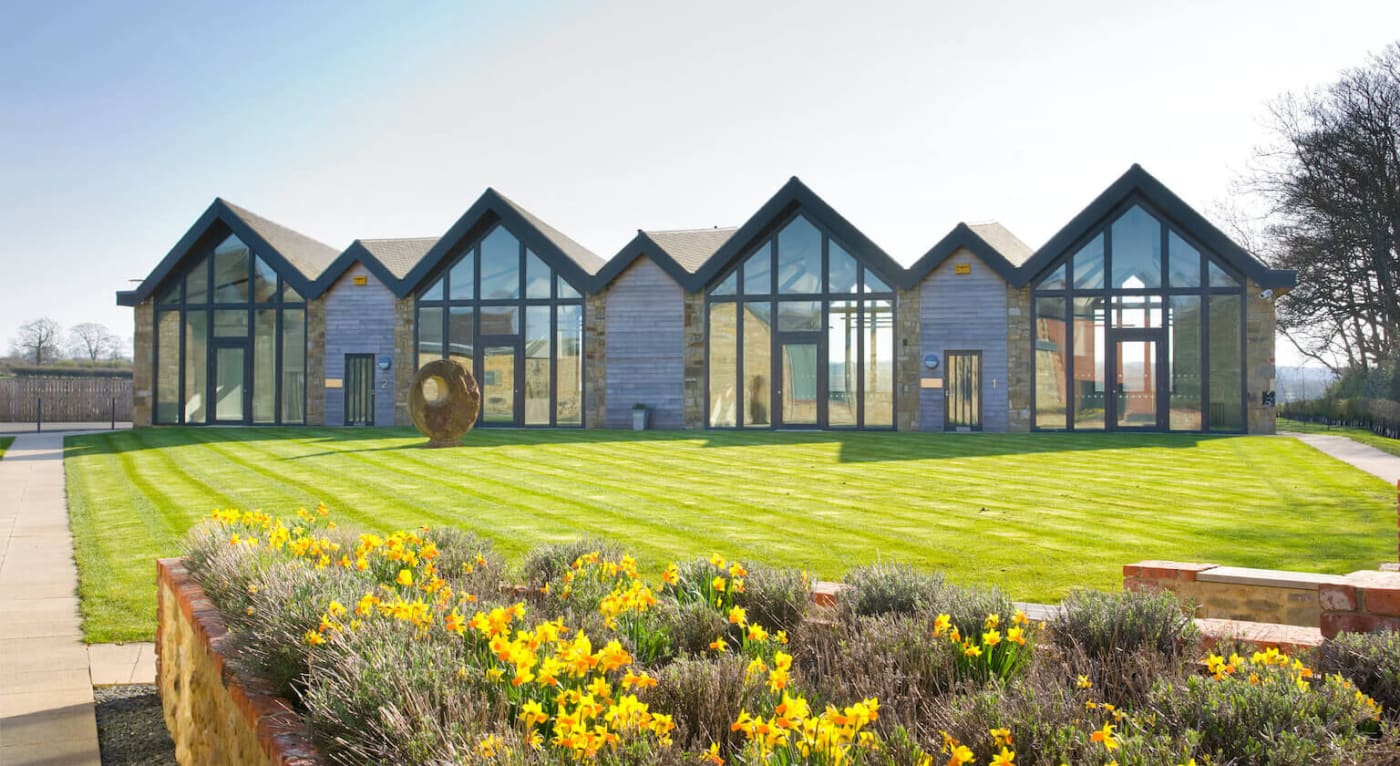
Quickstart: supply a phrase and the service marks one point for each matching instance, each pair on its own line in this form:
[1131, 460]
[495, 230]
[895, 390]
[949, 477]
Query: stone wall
[1020, 360]
[143, 360]
[907, 360]
[693, 361]
[1235, 593]
[216, 716]
[405, 359]
[1360, 602]
[1259, 319]
[360, 320]
[316, 362]
[595, 360]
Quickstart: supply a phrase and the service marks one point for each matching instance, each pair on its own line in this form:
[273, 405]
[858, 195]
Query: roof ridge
[689, 231]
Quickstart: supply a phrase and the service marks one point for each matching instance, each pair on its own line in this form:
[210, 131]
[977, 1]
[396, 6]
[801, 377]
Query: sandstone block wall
[215, 717]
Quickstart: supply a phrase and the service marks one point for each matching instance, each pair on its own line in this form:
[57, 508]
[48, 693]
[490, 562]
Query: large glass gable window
[800, 334]
[1139, 328]
[230, 341]
[516, 324]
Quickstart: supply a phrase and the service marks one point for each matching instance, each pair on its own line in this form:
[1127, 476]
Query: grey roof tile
[306, 255]
[1003, 241]
[691, 248]
[585, 258]
[399, 256]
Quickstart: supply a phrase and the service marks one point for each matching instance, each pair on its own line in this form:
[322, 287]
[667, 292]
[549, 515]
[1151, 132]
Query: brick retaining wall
[1358, 602]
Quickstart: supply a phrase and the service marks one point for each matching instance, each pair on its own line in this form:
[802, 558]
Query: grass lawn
[5, 442]
[1035, 513]
[1362, 435]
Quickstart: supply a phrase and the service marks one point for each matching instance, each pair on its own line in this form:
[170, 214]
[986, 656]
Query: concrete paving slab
[34, 728]
[133, 663]
[46, 704]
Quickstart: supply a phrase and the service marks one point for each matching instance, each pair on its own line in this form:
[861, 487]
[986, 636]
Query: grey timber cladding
[964, 312]
[645, 347]
[359, 320]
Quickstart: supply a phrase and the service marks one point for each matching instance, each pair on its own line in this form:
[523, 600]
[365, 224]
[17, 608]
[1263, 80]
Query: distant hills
[1295, 384]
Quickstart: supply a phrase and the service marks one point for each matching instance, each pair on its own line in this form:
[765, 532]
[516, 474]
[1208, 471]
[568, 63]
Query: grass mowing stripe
[1038, 513]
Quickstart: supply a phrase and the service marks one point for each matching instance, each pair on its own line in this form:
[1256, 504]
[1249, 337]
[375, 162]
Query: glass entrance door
[359, 389]
[963, 391]
[799, 393]
[230, 383]
[501, 393]
[1136, 402]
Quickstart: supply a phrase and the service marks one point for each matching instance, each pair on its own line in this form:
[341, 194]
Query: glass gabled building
[1138, 315]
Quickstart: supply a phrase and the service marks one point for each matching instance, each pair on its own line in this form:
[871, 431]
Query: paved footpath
[46, 709]
[1363, 456]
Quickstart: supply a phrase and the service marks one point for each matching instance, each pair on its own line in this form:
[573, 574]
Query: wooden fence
[64, 399]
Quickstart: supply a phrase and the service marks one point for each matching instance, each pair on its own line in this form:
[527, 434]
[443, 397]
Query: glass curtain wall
[229, 330]
[1139, 288]
[800, 334]
[516, 324]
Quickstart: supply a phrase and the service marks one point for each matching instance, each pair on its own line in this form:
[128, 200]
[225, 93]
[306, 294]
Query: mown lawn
[1035, 513]
[1362, 435]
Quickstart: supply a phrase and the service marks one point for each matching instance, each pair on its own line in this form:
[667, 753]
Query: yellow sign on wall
[962, 268]
[361, 281]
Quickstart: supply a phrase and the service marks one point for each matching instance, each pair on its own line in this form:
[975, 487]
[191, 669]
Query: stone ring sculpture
[444, 402]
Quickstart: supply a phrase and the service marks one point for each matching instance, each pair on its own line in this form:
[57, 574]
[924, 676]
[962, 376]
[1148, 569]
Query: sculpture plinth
[444, 402]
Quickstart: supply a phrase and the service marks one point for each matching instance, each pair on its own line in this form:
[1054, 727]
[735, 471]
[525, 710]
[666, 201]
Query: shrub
[1369, 660]
[1268, 711]
[706, 696]
[891, 657]
[776, 598]
[889, 587]
[549, 562]
[1102, 625]
[691, 626]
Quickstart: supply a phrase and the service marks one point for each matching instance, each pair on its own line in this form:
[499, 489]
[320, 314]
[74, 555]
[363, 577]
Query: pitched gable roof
[577, 263]
[795, 196]
[307, 255]
[297, 257]
[389, 260]
[1138, 183]
[991, 242]
[679, 252]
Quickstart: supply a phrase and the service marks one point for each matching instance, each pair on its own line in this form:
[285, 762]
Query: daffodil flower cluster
[1272, 666]
[793, 735]
[989, 653]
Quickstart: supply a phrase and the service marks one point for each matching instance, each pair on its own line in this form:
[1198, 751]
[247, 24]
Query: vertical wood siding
[964, 312]
[646, 344]
[360, 320]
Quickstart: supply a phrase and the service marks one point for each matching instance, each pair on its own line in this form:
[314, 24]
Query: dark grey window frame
[204, 256]
[1166, 292]
[443, 274]
[826, 298]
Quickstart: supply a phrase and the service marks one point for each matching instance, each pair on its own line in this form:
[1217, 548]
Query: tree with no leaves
[1333, 184]
[38, 340]
[92, 341]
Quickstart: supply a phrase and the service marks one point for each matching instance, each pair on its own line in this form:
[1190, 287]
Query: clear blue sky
[122, 121]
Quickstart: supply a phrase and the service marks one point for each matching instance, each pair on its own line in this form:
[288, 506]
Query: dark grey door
[359, 389]
[963, 391]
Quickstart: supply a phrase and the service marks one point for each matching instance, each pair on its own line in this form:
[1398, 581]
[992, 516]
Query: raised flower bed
[292, 641]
